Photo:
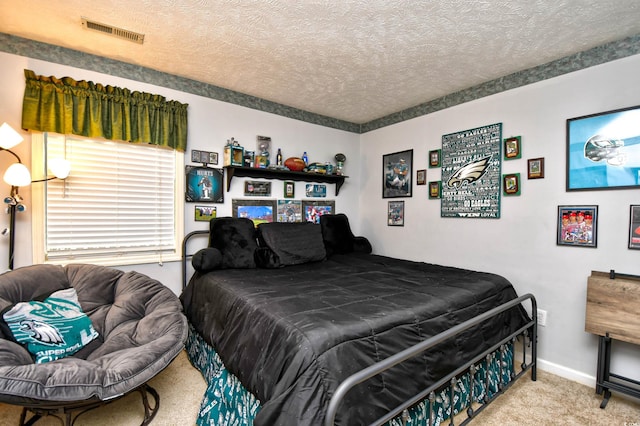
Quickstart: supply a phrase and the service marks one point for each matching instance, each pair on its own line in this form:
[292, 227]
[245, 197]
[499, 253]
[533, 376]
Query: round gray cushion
[140, 322]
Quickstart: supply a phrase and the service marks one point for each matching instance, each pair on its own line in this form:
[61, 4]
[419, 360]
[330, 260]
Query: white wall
[211, 124]
[521, 245]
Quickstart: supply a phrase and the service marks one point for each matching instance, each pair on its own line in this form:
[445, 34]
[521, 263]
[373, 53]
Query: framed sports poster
[471, 164]
[397, 170]
[204, 184]
[395, 213]
[577, 226]
[602, 150]
[289, 211]
[312, 210]
[634, 227]
[259, 211]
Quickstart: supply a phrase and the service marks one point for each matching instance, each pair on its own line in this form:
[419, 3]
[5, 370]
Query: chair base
[69, 412]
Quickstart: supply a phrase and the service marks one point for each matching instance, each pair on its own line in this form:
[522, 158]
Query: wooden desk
[612, 313]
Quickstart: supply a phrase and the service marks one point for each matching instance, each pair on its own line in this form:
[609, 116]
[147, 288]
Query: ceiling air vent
[114, 31]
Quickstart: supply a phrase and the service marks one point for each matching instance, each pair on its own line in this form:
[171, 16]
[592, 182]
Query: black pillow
[207, 259]
[266, 258]
[235, 238]
[292, 243]
[336, 233]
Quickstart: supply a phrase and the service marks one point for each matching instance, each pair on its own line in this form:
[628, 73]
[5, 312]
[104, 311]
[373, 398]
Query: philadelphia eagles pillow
[52, 328]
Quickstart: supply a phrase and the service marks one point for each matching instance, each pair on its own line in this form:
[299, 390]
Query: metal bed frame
[529, 333]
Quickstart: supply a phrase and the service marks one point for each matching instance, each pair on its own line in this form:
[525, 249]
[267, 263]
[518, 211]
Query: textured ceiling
[354, 60]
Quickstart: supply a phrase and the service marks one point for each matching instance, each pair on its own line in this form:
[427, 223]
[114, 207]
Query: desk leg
[604, 365]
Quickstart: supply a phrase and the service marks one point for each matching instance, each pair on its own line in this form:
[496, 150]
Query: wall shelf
[254, 172]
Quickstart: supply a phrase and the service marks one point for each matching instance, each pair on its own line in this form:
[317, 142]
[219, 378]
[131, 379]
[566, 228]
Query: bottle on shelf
[279, 158]
[305, 158]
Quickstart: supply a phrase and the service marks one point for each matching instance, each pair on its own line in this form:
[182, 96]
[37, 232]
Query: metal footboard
[529, 331]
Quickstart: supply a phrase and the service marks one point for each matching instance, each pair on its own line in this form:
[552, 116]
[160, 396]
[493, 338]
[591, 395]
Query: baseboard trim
[562, 371]
[567, 373]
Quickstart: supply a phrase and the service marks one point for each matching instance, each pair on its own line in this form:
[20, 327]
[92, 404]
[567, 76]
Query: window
[120, 205]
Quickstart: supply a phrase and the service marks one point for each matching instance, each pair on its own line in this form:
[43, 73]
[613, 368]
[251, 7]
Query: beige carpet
[550, 400]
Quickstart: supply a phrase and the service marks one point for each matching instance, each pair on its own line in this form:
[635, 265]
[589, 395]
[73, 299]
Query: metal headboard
[186, 256]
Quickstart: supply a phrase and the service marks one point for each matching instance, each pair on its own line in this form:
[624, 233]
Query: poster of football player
[204, 184]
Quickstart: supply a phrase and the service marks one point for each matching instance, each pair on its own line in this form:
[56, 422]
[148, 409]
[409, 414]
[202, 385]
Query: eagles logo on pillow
[53, 328]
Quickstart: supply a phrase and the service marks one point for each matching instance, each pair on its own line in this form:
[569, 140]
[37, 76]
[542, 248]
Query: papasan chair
[136, 329]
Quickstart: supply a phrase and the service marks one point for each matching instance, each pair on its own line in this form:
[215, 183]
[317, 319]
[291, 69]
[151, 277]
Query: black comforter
[292, 334]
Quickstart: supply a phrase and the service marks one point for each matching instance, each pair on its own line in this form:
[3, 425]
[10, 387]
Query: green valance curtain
[90, 109]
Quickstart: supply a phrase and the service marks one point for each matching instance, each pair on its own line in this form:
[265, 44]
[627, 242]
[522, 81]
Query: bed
[284, 317]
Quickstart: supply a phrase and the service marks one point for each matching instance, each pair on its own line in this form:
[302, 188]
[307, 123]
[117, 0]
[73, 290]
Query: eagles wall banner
[471, 167]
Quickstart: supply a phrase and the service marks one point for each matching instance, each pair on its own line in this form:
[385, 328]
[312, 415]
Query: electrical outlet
[542, 318]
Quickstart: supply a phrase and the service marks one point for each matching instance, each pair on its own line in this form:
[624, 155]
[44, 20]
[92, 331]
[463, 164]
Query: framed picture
[435, 189]
[204, 157]
[600, 150]
[257, 188]
[397, 173]
[577, 226]
[634, 227]
[434, 158]
[259, 211]
[289, 189]
[204, 184]
[204, 213]
[471, 173]
[315, 190]
[511, 184]
[512, 148]
[535, 168]
[421, 177]
[395, 213]
[312, 210]
[289, 211]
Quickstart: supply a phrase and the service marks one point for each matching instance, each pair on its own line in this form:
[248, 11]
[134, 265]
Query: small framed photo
[259, 211]
[257, 188]
[315, 190]
[634, 227]
[204, 157]
[435, 189]
[289, 189]
[512, 148]
[289, 211]
[511, 184]
[312, 210]
[577, 226]
[535, 168]
[204, 184]
[397, 170]
[204, 213]
[434, 158]
[421, 177]
[395, 213]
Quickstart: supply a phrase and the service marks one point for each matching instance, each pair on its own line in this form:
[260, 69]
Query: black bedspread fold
[292, 334]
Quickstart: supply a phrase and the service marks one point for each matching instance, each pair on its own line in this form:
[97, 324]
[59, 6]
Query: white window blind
[118, 202]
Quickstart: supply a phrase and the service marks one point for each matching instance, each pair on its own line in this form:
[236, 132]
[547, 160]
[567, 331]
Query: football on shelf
[295, 164]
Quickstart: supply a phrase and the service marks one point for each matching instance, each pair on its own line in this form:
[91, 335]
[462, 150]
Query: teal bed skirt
[226, 402]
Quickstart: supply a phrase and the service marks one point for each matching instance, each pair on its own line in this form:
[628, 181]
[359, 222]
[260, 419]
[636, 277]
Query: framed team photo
[577, 226]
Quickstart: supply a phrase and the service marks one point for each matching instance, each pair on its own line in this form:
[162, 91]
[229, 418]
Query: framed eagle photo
[601, 150]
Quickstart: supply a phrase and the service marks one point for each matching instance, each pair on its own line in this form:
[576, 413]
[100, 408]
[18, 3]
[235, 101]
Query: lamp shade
[17, 175]
[9, 137]
[60, 167]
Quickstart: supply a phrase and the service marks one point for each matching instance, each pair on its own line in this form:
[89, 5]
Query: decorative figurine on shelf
[340, 159]
[263, 151]
[305, 158]
[233, 153]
